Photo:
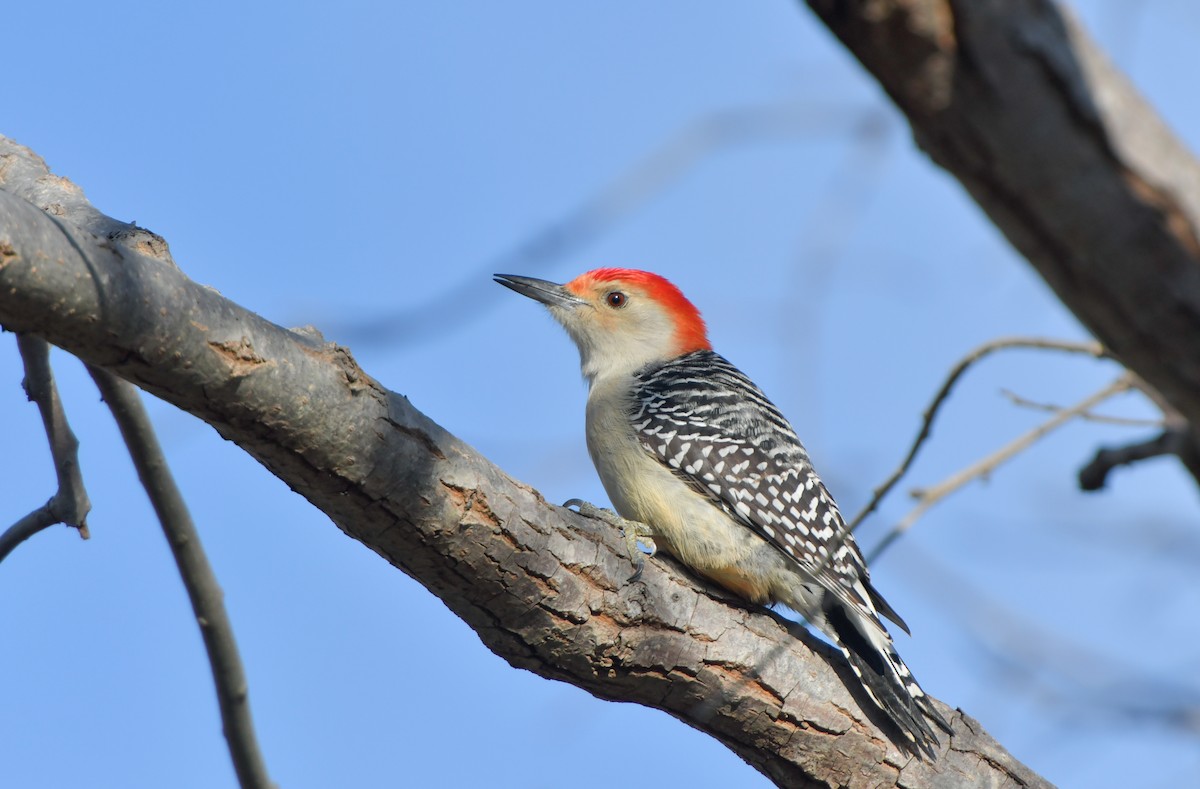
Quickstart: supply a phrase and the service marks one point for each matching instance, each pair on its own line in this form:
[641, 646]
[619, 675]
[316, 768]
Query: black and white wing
[717, 431]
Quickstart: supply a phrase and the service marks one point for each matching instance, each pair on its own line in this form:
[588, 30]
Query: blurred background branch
[983, 468]
[930, 414]
[601, 212]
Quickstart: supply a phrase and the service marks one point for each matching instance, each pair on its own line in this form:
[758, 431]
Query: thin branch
[1185, 435]
[1175, 439]
[1087, 416]
[41, 518]
[931, 496]
[70, 504]
[1171, 415]
[1093, 349]
[198, 577]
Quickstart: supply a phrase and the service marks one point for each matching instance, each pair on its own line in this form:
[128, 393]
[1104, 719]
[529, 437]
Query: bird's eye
[616, 299]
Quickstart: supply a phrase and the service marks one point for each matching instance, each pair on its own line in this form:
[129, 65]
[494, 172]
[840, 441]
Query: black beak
[548, 293]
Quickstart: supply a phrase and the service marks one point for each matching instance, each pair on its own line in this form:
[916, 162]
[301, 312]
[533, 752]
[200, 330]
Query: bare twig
[41, 518]
[1104, 419]
[1171, 415]
[1089, 348]
[1175, 439]
[198, 577]
[70, 504]
[1186, 436]
[931, 496]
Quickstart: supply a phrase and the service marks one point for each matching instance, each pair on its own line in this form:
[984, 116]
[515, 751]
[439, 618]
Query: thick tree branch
[543, 587]
[1080, 174]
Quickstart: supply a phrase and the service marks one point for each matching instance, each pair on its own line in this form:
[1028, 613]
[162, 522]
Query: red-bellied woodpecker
[697, 460]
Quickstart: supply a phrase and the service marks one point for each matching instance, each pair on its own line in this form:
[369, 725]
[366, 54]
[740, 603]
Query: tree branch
[1087, 416]
[41, 518]
[539, 585]
[1103, 200]
[70, 504]
[1094, 475]
[959, 369]
[982, 468]
[205, 593]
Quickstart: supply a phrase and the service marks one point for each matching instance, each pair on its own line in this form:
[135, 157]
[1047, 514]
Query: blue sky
[343, 165]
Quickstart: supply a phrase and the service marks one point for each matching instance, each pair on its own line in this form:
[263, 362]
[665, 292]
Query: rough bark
[1068, 160]
[543, 587]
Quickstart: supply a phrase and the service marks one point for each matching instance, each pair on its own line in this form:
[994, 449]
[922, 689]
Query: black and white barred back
[706, 420]
[720, 434]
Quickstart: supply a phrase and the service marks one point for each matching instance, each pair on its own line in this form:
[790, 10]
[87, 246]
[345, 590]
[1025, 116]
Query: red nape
[690, 331]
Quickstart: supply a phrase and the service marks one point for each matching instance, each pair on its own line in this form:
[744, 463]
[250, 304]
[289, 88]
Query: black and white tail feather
[719, 433]
[886, 678]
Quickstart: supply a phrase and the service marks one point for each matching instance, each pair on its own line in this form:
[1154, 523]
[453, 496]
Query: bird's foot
[634, 532]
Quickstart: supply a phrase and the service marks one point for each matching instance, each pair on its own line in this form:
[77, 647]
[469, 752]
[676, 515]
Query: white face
[618, 328]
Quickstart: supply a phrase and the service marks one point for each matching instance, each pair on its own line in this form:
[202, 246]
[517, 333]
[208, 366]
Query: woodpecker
[697, 461]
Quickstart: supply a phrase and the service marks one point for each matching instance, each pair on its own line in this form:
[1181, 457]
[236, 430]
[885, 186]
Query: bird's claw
[633, 531]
